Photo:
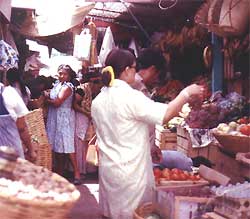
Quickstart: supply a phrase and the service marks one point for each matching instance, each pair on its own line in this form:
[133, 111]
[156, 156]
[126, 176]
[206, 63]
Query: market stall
[215, 130]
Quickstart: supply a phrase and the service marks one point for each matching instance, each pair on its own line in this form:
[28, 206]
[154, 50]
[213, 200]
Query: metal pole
[217, 68]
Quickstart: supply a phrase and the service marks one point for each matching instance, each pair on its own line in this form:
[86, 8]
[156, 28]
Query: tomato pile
[174, 174]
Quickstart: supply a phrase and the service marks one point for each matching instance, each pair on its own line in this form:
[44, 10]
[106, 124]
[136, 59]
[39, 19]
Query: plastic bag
[82, 45]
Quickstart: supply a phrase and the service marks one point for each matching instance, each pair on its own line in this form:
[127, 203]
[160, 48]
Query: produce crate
[188, 203]
[227, 164]
[164, 138]
[184, 144]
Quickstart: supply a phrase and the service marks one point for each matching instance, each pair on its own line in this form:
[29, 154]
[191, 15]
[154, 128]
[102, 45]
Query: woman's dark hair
[80, 91]
[118, 59]
[71, 72]
[13, 75]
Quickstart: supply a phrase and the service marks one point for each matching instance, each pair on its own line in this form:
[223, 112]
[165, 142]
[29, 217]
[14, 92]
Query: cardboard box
[184, 203]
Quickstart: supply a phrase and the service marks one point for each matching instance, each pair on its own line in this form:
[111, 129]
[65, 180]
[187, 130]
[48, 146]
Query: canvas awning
[51, 20]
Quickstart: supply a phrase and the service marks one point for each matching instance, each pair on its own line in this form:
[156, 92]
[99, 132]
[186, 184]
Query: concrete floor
[87, 206]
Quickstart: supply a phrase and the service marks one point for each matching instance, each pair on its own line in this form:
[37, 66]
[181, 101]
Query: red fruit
[197, 177]
[157, 172]
[175, 176]
[183, 176]
[245, 129]
[166, 173]
[176, 171]
[193, 178]
[243, 120]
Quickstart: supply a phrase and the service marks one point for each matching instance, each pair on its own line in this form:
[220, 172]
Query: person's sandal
[77, 182]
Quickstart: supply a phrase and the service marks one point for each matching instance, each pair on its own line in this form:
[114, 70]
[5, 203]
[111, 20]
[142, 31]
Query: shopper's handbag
[92, 152]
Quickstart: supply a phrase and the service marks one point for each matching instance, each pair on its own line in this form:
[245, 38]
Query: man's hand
[156, 154]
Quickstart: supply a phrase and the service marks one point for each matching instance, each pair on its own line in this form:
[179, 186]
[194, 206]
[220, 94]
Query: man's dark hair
[151, 56]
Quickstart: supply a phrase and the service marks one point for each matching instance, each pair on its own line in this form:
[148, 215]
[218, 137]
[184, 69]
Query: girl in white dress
[61, 121]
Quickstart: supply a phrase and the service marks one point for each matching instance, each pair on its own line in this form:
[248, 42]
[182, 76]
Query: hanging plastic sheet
[107, 45]
[8, 56]
[82, 45]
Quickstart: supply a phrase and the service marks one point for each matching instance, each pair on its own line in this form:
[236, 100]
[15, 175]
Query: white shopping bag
[82, 45]
[108, 44]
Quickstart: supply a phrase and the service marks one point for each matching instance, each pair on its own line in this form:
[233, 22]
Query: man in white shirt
[151, 65]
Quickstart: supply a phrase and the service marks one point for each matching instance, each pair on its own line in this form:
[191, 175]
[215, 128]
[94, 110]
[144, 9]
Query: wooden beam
[144, 1]
[128, 1]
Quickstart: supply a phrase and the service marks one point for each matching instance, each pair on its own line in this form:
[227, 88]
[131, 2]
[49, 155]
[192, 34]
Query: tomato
[183, 176]
[186, 173]
[245, 130]
[166, 173]
[175, 176]
[193, 178]
[243, 120]
[176, 171]
[197, 177]
[157, 172]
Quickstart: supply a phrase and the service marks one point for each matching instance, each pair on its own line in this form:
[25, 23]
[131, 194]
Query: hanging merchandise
[8, 56]
[82, 45]
[107, 45]
[133, 46]
[93, 59]
[234, 17]
[224, 18]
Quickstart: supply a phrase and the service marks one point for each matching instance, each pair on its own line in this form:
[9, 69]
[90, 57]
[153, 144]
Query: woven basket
[36, 128]
[12, 207]
[232, 143]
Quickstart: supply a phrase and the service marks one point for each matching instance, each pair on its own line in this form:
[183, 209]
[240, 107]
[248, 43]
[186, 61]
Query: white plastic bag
[82, 45]
[107, 45]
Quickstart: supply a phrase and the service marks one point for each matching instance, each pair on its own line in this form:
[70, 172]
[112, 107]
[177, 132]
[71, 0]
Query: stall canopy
[46, 18]
[151, 14]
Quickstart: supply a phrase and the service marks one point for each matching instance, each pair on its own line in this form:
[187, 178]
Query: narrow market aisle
[87, 206]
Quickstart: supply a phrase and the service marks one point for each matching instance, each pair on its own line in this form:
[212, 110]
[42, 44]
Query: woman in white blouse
[12, 107]
[121, 115]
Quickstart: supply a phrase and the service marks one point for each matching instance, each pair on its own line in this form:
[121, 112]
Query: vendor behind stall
[175, 159]
[171, 159]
